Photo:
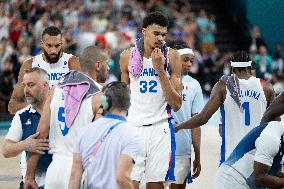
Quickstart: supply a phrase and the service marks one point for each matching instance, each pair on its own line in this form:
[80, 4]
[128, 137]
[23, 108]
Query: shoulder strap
[100, 142]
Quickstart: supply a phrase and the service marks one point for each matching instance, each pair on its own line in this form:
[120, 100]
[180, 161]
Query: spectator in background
[278, 59]
[4, 22]
[6, 51]
[263, 64]
[6, 89]
[255, 38]
[277, 82]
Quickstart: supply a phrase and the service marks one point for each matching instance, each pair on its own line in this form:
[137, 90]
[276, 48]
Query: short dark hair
[179, 44]
[119, 95]
[241, 56]
[155, 18]
[52, 31]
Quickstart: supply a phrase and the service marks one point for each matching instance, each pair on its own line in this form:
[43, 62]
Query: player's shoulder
[126, 53]
[187, 79]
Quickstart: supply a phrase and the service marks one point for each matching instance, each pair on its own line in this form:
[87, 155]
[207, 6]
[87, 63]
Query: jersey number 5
[61, 118]
[245, 107]
[151, 86]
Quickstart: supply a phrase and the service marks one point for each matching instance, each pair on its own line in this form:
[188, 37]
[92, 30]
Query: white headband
[241, 64]
[185, 51]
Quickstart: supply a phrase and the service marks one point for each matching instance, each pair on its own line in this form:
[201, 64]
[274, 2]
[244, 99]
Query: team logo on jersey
[65, 63]
[28, 122]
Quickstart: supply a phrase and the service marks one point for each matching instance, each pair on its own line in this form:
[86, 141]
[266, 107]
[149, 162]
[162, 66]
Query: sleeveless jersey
[261, 144]
[237, 122]
[61, 138]
[148, 102]
[56, 70]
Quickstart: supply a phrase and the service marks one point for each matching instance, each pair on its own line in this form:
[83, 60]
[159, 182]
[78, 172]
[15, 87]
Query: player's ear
[97, 66]
[143, 31]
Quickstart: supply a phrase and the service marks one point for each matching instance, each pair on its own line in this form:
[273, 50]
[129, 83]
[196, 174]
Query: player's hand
[30, 183]
[158, 60]
[196, 168]
[176, 129]
[36, 145]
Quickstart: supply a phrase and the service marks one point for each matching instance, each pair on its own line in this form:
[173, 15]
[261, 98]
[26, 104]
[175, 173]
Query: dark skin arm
[74, 63]
[275, 110]
[196, 141]
[172, 87]
[17, 100]
[261, 177]
[123, 62]
[217, 97]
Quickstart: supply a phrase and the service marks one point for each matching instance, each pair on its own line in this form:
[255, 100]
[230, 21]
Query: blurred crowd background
[115, 25]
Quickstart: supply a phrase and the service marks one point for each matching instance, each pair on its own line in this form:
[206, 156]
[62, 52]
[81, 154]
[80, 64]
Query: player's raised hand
[158, 60]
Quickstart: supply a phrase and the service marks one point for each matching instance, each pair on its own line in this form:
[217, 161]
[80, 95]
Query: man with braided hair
[153, 72]
[242, 99]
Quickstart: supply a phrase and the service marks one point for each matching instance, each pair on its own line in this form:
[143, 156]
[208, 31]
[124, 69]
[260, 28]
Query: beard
[53, 59]
[36, 100]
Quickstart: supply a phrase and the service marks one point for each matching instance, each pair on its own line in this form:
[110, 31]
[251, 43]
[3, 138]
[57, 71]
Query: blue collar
[114, 116]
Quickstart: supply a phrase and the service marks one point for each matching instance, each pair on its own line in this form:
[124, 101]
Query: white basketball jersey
[55, 70]
[61, 138]
[236, 121]
[148, 102]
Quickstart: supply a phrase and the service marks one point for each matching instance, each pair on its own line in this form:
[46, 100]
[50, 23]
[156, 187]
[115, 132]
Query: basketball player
[154, 73]
[192, 103]
[53, 60]
[68, 109]
[253, 73]
[242, 99]
[256, 160]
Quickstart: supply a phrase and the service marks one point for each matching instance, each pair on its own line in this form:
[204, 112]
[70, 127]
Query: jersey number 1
[245, 107]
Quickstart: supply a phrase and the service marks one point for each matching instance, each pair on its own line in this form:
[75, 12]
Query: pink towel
[73, 96]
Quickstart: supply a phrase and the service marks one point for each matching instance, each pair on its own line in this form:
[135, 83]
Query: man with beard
[21, 137]
[53, 60]
[71, 106]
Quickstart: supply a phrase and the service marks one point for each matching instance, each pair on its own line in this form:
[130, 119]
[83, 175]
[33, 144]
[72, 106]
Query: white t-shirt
[121, 140]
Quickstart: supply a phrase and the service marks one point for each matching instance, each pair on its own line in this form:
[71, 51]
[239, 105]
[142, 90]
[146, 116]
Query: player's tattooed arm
[263, 179]
[74, 63]
[17, 100]
[123, 62]
[275, 110]
[217, 97]
[172, 87]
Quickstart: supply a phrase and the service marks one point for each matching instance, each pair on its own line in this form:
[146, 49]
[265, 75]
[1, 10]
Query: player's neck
[243, 75]
[117, 112]
[148, 50]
